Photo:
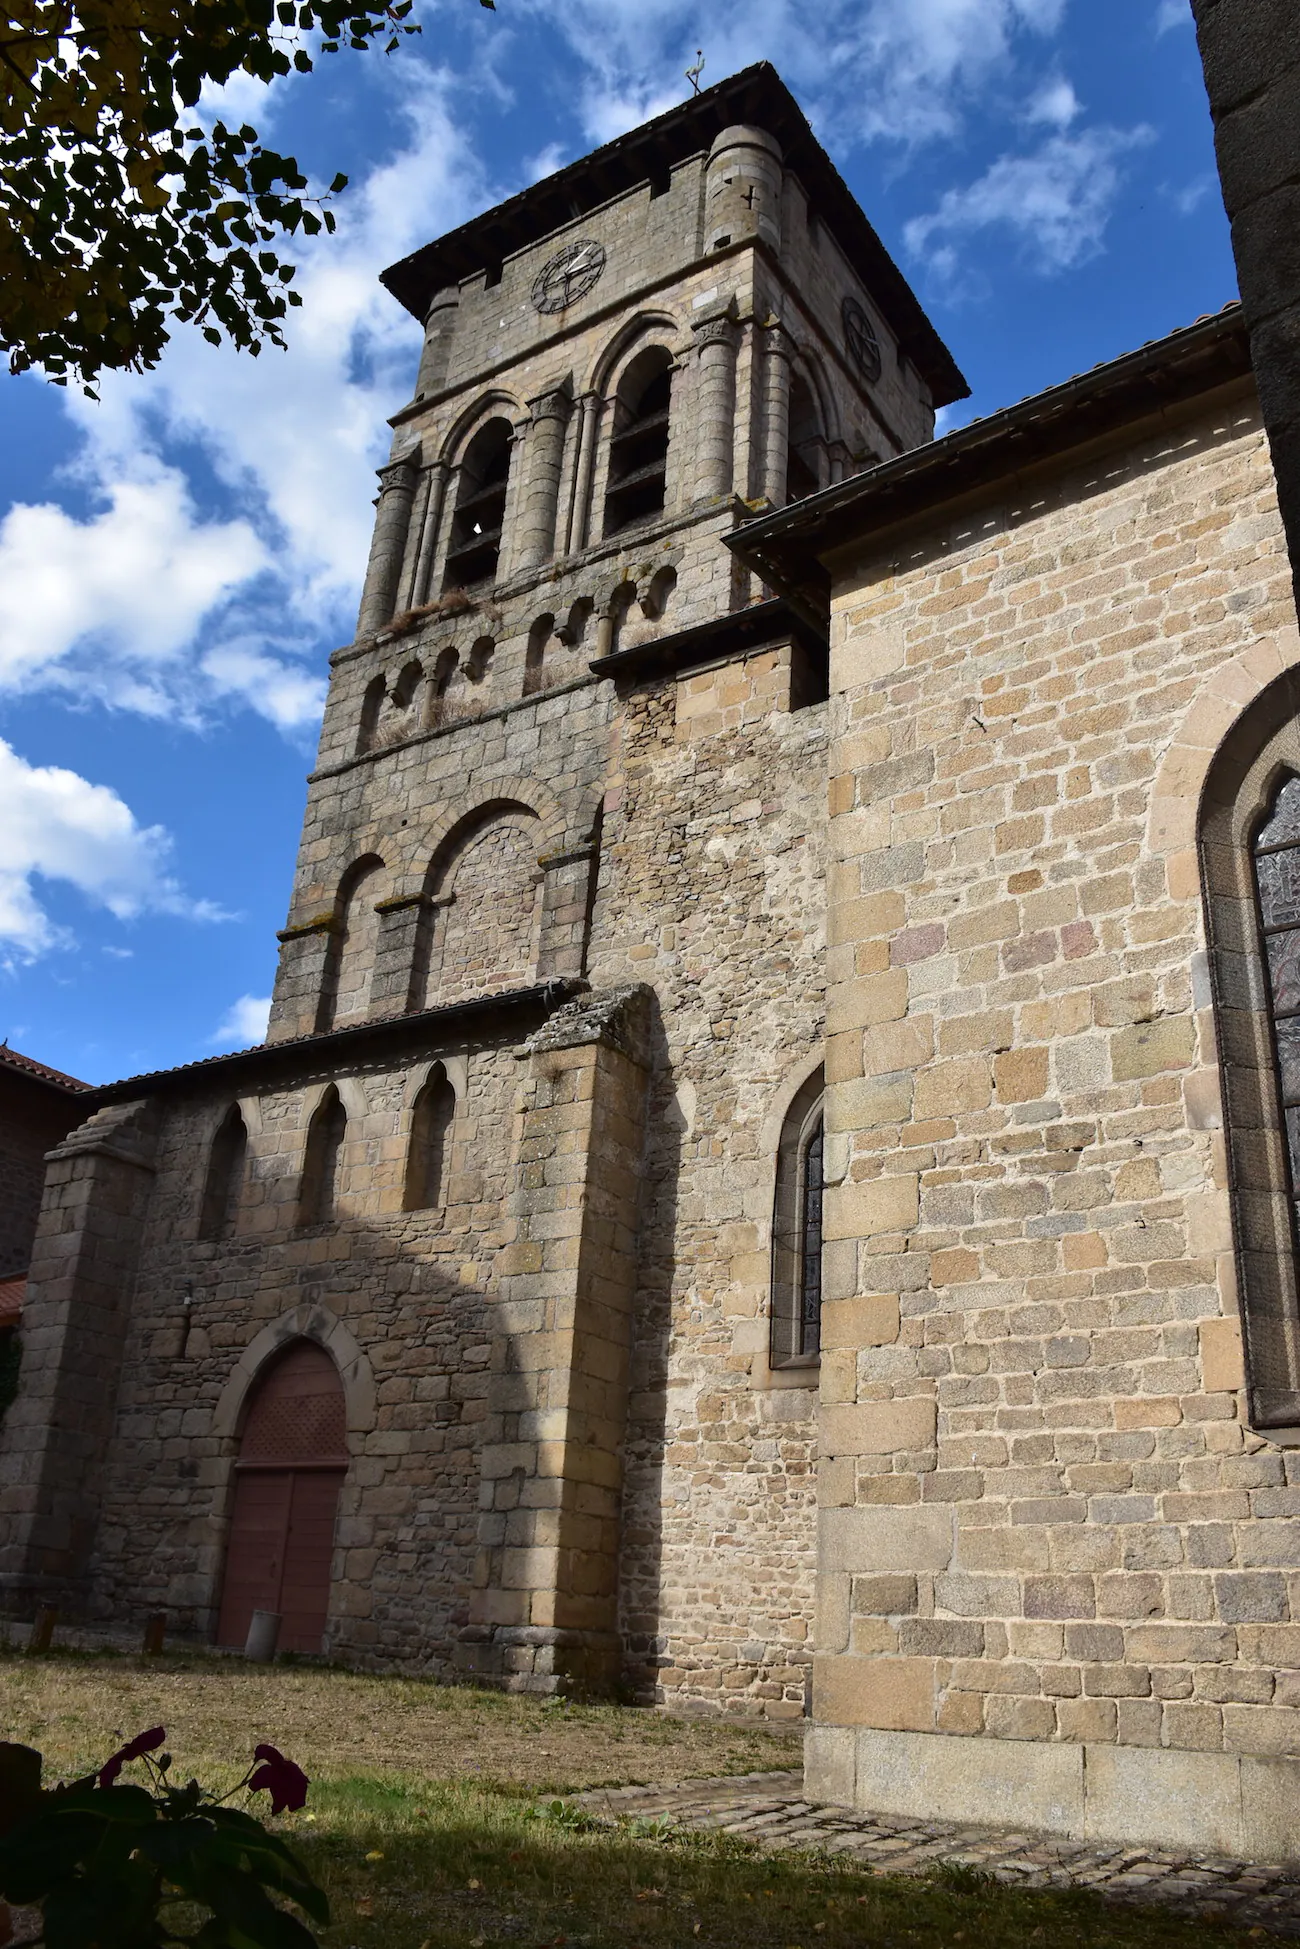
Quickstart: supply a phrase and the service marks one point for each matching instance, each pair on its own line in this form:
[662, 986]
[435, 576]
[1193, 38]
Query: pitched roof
[789, 547]
[389, 1031]
[28, 1066]
[757, 96]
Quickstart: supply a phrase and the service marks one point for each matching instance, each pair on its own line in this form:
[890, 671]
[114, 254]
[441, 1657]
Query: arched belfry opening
[293, 1456]
[475, 545]
[803, 467]
[636, 481]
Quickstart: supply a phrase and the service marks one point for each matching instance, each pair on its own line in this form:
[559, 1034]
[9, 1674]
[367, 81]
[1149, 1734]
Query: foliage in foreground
[114, 1866]
[123, 209]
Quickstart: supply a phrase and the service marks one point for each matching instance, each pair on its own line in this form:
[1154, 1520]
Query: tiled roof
[12, 1294]
[28, 1066]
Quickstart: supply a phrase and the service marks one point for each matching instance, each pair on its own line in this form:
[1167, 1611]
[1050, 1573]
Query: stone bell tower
[620, 364]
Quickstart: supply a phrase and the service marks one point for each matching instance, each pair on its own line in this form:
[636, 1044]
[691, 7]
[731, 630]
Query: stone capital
[718, 330]
[554, 404]
[399, 475]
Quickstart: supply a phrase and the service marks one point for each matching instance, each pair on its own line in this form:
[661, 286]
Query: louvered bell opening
[638, 458]
[475, 546]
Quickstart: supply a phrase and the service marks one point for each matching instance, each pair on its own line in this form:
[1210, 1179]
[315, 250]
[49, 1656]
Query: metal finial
[693, 74]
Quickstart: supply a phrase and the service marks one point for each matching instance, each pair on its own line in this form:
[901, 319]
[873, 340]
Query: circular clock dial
[568, 276]
[861, 340]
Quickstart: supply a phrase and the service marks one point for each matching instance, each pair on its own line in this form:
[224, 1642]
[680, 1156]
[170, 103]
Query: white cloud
[109, 603]
[1171, 14]
[1056, 202]
[152, 604]
[244, 1023]
[902, 69]
[55, 825]
[1191, 196]
[1055, 103]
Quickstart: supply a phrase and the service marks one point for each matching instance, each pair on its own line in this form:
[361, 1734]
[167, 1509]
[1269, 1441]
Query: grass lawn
[433, 1823]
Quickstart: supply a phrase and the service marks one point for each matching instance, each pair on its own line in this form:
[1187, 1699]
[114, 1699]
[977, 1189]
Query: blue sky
[178, 561]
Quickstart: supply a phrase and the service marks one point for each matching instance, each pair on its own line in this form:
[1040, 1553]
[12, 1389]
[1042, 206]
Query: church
[771, 1185]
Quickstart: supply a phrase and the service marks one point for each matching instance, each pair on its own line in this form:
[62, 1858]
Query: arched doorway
[292, 1460]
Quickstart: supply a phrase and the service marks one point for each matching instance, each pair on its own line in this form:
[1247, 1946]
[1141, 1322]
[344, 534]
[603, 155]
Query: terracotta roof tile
[12, 1294]
[28, 1066]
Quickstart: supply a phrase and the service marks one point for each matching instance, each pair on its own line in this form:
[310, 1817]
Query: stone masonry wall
[712, 893]
[1043, 1518]
[409, 1289]
[33, 1119]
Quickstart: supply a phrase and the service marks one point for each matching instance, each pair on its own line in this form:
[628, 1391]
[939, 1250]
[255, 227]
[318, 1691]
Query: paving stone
[1249, 1894]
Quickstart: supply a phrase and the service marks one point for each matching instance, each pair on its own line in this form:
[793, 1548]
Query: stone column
[392, 522]
[75, 1320]
[305, 954]
[777, 349]
[544, 457]
[715, 407]
[544, 1612]
[579, 521]
[439, 471]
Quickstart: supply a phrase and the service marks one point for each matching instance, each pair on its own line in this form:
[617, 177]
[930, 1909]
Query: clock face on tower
[860, 338]
[568, 276]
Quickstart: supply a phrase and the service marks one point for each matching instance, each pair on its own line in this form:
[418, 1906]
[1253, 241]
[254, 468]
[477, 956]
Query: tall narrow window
[638, 448]
[430, 1153]
[323, 1161]
[475, 546]
[354, 946]
[803, 470]
[225, 1180]
[372, 705]
[797, 1231]
[1277, 884]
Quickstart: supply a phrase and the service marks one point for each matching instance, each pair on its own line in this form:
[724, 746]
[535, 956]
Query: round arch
[309, 1322]
[494, 404]
[639, 334]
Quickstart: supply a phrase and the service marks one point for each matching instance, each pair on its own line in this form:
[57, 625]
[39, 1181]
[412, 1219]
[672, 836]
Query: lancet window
[323, 1161]
[224, 1184]
[429, 1155]
[797, 1230]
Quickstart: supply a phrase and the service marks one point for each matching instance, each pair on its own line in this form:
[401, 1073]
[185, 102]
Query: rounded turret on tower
[742, 192]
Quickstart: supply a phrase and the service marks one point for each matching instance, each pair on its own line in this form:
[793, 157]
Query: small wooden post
[155, 1630]
[43, 1628]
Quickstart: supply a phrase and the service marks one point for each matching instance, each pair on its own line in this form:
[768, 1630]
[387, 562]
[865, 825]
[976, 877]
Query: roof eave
[790, 547]
[756, 93]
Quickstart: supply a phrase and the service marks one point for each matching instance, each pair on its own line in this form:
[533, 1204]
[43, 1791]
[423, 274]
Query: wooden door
[292, 1461]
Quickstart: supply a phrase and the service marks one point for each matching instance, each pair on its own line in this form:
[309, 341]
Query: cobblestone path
[768, 1808]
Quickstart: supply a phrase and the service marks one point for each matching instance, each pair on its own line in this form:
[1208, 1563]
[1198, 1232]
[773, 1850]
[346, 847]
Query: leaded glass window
[797, 1231]
[1277, 885]
[810, 1256]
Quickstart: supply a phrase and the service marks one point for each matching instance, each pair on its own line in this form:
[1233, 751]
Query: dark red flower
[286, 1783]
[144, 1742]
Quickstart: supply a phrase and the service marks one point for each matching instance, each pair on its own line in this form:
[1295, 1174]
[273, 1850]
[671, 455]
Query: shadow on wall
[410, 1299]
